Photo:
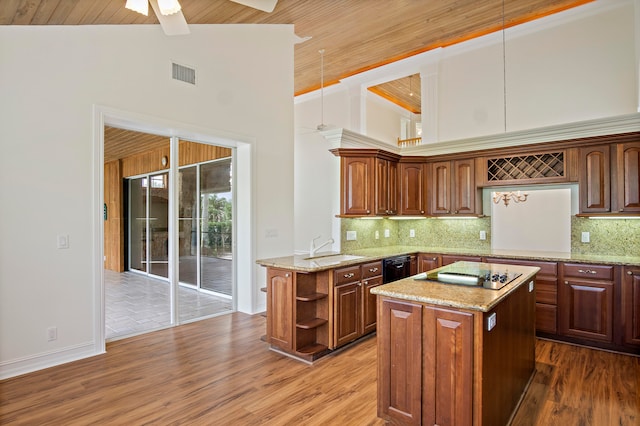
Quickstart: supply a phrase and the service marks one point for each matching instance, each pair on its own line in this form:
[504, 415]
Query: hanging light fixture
[321, 126]
[410, 86]
[167, 7]
[516, 197]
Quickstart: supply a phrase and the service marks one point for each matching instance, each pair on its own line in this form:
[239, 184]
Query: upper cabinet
[610, 178]
[595, 195]
[368, 182]
[453, 188]
[413, 184]
[626, 189]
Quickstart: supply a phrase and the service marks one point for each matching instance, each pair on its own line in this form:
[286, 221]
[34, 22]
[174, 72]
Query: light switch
[386, 233]
[483, 235]
[412, 233]
[351, 235]
[491, 321]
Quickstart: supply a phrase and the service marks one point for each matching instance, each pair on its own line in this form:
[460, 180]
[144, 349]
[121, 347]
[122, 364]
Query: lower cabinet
[430, 360]
[354, 305]
[280, 307]
[452, 258]
[586, 297]
[428, 261]
[631, 307]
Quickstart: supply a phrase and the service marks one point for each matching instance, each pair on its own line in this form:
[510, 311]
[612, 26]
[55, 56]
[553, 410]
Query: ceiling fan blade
[263, 5]
[174, 24]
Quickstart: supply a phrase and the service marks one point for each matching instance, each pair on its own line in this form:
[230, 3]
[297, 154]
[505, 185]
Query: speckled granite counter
[300, 263]
[453, 295]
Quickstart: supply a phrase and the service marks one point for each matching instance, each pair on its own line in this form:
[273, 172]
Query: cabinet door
[280, 308]
[464, 187]
[427, 262]
[631, 306]
[357, 185]
[441, 187]
[386, 188]
[594, 181]
[447, 392]
[369, 311]
[586, 309]
[399, 361]
[347, 313]
[628, 177]
[412, 189]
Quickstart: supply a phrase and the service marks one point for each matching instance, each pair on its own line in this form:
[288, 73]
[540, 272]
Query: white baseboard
[33, 363]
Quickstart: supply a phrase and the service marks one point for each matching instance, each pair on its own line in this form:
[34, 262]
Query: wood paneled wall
[116, 171]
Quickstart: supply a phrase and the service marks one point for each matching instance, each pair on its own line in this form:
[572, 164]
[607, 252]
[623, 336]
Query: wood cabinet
[441, 366]
[626, 178]
[447, 259]
[354, 305]
[631, 306]
[595, 186]
[400, 361]
[280, 305]
[386, 188]
[586, 302]
[298, 312]
[368, 182]
[453, 188]
[428, 261]
[546, 292]
[413, 184]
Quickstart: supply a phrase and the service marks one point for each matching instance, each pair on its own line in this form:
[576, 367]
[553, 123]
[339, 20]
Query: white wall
[51, 79]
[565, 68]
[383, 119]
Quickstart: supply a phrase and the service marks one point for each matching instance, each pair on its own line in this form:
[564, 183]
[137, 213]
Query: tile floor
[136, 303]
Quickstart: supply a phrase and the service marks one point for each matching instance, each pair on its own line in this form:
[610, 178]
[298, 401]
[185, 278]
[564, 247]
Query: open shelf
[311, 349]
[311, 297]
[312, 323]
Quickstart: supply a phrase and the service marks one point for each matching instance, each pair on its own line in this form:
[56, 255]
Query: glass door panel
[138, 224]
[216, 204]
[188, 225]
[159, 224]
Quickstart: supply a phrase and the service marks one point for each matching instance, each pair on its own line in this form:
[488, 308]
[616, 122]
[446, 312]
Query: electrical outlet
[52, 333]
[530, 286]
[351, 235]
[483, 235]
[386, 233]
[63, 241]
[412, 233]
[377, 234]
[586, 237]
[491, 321]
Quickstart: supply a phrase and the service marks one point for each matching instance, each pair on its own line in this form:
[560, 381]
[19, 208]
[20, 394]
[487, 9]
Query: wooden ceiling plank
[9, 10]
[24, 13]
[44, 12]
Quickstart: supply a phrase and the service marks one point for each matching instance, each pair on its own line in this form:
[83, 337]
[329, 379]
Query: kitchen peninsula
[455, 353]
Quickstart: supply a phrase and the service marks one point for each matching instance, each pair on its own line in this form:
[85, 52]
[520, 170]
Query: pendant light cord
[504, 71]
[321, 125]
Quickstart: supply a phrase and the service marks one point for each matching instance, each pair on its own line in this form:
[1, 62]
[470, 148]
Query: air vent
[182, 73]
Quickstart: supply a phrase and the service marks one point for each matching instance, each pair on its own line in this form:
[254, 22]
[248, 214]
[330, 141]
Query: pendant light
[321, 126]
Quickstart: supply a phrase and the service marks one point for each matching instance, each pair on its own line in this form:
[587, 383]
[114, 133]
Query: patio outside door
[205, 227]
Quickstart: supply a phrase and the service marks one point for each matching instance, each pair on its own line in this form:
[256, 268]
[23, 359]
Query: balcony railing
[409, 142]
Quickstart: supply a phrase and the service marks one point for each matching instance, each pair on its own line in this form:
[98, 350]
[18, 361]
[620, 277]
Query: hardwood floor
[218, 371]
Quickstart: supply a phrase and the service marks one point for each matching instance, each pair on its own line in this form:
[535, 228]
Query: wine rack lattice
[532, 166]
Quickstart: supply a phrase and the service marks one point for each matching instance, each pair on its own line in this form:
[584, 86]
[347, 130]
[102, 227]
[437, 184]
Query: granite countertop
[301, 263]
[453, 295]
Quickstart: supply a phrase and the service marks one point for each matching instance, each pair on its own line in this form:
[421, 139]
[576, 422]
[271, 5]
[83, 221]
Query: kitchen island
[452, 354]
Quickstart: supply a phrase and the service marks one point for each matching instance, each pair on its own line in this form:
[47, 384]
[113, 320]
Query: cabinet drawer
[371, 269]
[347, 275]
[547, 291]
[546, 268]
[599, 272]
[546, 318]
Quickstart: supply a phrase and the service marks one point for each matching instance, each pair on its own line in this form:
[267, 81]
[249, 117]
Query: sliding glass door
[149, 224]
[205, 226]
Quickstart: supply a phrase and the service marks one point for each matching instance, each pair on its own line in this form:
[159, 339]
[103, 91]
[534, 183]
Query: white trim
[598, 127]
[28, 364]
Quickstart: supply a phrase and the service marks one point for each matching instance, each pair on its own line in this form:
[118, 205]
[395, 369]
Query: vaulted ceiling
[357, 35]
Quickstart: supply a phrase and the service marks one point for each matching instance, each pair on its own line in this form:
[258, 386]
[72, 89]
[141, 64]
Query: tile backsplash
[613, 237]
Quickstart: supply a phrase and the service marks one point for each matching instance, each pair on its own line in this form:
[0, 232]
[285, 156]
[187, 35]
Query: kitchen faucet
[312, 247]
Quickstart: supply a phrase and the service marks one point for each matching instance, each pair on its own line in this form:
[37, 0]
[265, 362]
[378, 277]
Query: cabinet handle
[363, 282]
[286, 275]
[455, 212]
[629, 273]
[421, 211]
[435, 258]
[588, 271]
[368, 211]
[349, 275]
[373, 270]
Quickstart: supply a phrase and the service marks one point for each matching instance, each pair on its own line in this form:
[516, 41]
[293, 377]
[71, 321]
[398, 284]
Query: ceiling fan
[170, 15]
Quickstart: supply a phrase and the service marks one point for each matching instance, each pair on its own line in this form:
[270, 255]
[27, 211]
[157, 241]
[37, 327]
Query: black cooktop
[473, 274]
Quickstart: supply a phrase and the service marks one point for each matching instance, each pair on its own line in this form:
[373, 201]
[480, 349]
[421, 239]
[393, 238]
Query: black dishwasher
[396, 268]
